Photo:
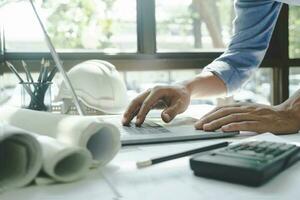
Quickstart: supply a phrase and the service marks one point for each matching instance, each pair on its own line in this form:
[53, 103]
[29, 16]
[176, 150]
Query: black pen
[52, 74]
[45, 72]
[154, 161]
[41, 71]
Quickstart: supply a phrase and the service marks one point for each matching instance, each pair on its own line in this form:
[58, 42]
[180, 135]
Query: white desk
[170, 180]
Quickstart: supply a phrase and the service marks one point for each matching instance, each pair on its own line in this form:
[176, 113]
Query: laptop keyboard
[148, 127]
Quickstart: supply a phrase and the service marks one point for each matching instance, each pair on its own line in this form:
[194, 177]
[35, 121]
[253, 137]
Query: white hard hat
[99, 87]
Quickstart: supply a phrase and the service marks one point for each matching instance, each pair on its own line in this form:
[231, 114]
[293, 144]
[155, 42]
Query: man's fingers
[219, 114]
[222, 107]
[253, 126]
[236, 117]
[129, 115]
[134, 108]
[170, 113]
[147, 105]
[160, 104]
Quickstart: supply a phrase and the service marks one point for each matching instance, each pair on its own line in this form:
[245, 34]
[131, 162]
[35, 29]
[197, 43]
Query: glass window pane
[258, 89]
[140, 81]
[21, 29]
[294, 80]
[79, 25]
[294, 31]
[193, 25]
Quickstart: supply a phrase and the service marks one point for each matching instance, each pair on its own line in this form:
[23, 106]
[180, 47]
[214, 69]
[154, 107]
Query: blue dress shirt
[253, 27]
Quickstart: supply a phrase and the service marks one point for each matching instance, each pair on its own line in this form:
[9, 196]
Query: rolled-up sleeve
[253, 26]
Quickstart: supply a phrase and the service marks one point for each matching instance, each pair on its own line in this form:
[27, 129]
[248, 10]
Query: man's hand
[175, 99]
[251, 117]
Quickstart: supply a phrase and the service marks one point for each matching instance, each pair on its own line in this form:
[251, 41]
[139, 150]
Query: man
[254, 25]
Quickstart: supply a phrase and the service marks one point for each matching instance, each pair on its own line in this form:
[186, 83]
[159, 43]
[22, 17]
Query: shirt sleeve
[253, 28]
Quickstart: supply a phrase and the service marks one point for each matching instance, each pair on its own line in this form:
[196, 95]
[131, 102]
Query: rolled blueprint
[100, 138]
[20, 157]
[63, 163]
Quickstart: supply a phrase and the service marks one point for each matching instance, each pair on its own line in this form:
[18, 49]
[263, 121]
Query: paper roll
[20, 157]
[100, 138]
[64, 163]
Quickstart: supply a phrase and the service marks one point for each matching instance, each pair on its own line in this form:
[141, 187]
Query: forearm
[204, 85]
[253, 27]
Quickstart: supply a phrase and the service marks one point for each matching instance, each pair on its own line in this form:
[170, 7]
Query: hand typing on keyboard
[147, 127]
[175, 99]
[253, 117]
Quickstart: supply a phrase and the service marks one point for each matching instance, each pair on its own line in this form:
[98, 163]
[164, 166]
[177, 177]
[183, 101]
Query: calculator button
[247, 152]
[240, 156]
[254, 143]
[286, 147]
[269, 157]
[277, 152]
[260, 155]
[263, 144]
[275, 145]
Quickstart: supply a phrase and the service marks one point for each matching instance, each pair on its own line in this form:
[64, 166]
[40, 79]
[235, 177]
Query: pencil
[28, 74]
[45, 72]
[13, 69]
[41, 70]
[27, 77]
[147, 163]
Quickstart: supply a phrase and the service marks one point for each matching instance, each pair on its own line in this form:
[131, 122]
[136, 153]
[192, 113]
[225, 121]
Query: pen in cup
[52, 74]
[41, 70]
[28, 74]
[36, 90]
[26, 87]
[45, 71]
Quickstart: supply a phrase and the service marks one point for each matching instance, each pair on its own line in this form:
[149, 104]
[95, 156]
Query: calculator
[249, 163]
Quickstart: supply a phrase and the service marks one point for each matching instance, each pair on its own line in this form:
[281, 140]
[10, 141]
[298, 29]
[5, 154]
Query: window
[76, 25]
[193, 25]
[257, 89]
[294, 49]
[294, 80]
[150, 41]
[22, 32]
[140, 81]
[294, 32]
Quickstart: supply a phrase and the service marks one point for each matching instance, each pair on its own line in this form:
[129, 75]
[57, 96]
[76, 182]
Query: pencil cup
[36, 96]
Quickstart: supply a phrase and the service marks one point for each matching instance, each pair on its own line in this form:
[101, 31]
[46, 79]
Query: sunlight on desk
[170, 180]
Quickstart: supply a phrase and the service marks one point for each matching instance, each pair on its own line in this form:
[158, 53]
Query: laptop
[152, 131]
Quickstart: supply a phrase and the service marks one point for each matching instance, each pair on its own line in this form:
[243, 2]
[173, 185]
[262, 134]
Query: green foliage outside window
[294, 33]
[69, 20]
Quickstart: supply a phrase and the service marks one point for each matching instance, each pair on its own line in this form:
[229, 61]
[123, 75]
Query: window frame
[2, 47]
[147, 57]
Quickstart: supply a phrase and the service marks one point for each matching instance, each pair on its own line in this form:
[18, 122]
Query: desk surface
[170, 180]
